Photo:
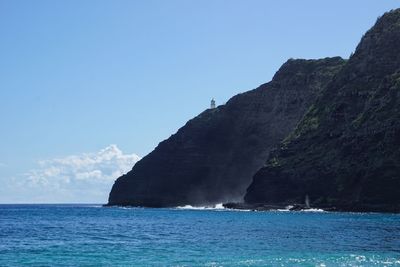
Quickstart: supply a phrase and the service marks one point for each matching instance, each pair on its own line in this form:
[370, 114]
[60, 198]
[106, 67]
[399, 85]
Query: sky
[89, 87]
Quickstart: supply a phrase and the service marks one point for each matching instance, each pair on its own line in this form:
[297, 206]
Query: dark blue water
[82, 235]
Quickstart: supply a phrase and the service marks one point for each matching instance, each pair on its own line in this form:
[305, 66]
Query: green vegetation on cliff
[345, 152]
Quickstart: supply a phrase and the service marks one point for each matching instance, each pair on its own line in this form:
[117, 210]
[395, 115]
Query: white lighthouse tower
[212, 105]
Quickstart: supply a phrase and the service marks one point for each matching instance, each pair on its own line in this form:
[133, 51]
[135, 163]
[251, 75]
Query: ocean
[90, 235]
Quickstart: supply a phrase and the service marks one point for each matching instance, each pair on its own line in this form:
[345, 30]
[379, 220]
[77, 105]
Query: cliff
[345, 152]
[213, 157]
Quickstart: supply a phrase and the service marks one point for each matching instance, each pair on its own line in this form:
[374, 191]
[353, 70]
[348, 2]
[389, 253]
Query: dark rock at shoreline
[213, 157]
[252, 206]
[265, 207]
[345, 152]
[350, 207]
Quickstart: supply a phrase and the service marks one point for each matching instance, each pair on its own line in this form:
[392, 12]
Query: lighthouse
[212, 105]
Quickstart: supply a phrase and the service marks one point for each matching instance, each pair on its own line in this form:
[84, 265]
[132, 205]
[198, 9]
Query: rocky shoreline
[303, 207]
[286, 207]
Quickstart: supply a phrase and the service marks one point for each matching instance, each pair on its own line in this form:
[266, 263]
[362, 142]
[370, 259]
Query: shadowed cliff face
[346, 150]
[214, 156]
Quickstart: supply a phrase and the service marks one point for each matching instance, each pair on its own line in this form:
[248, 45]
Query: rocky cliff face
[214, 156]
[345, 153]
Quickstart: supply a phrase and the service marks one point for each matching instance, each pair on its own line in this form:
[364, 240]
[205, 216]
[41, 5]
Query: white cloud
[81, 178]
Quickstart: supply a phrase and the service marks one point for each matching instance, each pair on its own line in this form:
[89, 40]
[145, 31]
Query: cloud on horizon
[83, 178]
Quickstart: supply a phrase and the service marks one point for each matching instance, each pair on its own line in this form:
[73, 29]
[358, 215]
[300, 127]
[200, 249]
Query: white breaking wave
[313, 210]
[211, 207]
[288, 208]
[221, 207]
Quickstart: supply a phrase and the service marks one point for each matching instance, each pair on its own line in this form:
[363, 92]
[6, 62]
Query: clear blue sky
[77, 76]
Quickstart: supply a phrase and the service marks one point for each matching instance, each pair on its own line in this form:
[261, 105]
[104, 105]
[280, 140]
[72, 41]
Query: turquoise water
[89, 235]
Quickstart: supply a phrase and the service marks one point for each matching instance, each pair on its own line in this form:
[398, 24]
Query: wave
[290, 207]
[313, 210]
[211, 207]
[216, 207]
[95, 206]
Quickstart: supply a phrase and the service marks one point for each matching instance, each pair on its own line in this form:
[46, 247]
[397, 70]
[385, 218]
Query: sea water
[90, 235]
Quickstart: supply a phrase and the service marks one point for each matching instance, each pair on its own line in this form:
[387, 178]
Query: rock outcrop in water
[213, 157]
[345, 153]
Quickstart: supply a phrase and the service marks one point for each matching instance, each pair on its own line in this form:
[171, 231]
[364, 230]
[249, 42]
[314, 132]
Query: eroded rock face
[345, 152]
[214, 156]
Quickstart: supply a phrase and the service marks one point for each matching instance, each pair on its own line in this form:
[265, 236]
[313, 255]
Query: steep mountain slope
[214, 156]
[345, 153]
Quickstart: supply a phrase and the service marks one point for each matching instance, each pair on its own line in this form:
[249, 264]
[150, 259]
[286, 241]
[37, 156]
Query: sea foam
[210, 207]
